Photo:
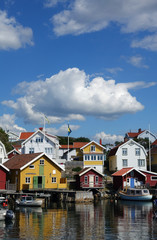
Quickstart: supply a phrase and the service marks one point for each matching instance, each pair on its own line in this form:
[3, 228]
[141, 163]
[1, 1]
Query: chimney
[100, 141]
[139, 130]
[41, 129]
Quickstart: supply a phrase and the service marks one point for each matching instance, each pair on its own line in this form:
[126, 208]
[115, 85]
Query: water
[102, 220]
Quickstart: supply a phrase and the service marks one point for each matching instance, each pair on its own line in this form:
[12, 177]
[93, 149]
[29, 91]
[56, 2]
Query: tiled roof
[65, 146]
[79, 144]
[18, 161]
[155, 142]
[25, 135]
[135, 134]
[114, 150]
[122, 172]
[154, 150]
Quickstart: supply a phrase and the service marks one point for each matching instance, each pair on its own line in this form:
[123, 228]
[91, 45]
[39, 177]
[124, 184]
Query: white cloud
[7, 122]
[85, 16]
[108, 138]
[52, 3]
[62, 130]
[148, 42]
[12, 34]
[69, 95]
[114, 70]
[137, 61]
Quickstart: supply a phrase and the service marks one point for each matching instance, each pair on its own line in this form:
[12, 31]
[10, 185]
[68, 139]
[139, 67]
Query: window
[92, 148]
[94, 157]
[31, 167]
[31, 150]
[141, 162]
[137, 151]
[154, 178]
[0, 160]
[41, 161]
[39, 139]
[48, 150]
[86, 179]
[96, 179]
[124, 151]
[86, 157]
[124, 162]
[54, 171]
[27, 180]
[54, 180]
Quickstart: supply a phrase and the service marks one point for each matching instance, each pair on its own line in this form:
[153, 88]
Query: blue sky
[91, 63]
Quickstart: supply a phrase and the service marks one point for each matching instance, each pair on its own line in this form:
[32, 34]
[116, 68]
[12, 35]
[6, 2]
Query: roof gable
[92, 142]
[125, 171]
[4, 167]
[85, 170]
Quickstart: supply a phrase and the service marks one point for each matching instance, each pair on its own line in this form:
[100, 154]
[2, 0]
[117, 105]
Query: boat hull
[124, 196]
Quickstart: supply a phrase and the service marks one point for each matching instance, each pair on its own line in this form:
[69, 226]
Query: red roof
[122, 172]
[114, 150]
[155, 142]
[25, 135]
[19, 161]
[135, 134]
[79, 144]
[66, 146]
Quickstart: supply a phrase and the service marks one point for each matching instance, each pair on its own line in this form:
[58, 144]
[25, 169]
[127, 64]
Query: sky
[91, 64]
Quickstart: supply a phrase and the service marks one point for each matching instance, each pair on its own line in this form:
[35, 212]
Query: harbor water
[105, 219]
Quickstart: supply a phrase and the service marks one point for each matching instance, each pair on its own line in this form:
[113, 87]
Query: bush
[77, 169]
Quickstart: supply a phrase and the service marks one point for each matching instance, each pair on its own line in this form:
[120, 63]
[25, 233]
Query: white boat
[135, 194]
[29, 201]
[2, 213]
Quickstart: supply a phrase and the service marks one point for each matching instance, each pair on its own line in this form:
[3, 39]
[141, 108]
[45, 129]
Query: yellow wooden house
[35, 171]
[93, 156]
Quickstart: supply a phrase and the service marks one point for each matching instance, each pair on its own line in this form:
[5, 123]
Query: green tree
[4, 139]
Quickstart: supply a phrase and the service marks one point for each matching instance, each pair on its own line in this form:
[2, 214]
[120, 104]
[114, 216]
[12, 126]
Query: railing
[11, 186]
[92, 185]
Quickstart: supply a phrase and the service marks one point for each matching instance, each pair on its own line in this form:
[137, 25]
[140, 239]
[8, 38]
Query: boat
[6, 214]
[135, 194]
[29, 201]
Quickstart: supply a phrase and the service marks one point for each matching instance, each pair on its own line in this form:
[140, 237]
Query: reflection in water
[103, 220]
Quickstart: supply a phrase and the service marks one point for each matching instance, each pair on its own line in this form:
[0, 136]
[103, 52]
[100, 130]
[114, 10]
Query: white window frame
[141, 163]
[42, 161]
[31, 150]
[54, 178]
[92, 148]
[153, 177]
[125, 162]
[137, 152]
[31, 166]
[27, 180]
[54, 171]
[96, 179]
[124, 151]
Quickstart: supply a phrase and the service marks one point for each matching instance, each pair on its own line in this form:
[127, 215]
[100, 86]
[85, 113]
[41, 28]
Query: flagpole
[149, 151]
[68, 147]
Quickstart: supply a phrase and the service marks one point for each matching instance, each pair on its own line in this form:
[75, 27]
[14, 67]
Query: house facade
[3, 154]
[35, 171]
[90, 178]
[141, 134]
[93, 156]
[3, 173]
[127, 154]
[132, 177]
[40, 141]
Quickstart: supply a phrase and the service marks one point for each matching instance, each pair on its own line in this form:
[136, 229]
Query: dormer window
[39, 139]
[92, 148]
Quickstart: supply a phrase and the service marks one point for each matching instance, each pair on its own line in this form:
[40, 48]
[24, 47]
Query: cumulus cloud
[108, 138]
[85, 16]
[70, 95]
[52, 3]
[12, 34]
[62, 130]
[7, 122]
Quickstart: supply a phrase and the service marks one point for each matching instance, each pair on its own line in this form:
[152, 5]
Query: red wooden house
[131, 177]
[3, 172]
[90, 178]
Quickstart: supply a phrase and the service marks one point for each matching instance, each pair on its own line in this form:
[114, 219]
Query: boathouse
[89, 178]
[3, 173]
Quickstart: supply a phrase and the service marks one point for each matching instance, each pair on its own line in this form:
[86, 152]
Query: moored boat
[29, 201]
[135, 194]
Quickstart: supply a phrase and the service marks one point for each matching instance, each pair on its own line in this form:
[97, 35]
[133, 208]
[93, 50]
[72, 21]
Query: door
[38, 182]
[132, 183]
[91, 180]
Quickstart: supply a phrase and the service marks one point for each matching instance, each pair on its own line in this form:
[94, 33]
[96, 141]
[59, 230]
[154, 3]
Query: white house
[3, 154]
[141, 134]
[127, 154]
[40, 141]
